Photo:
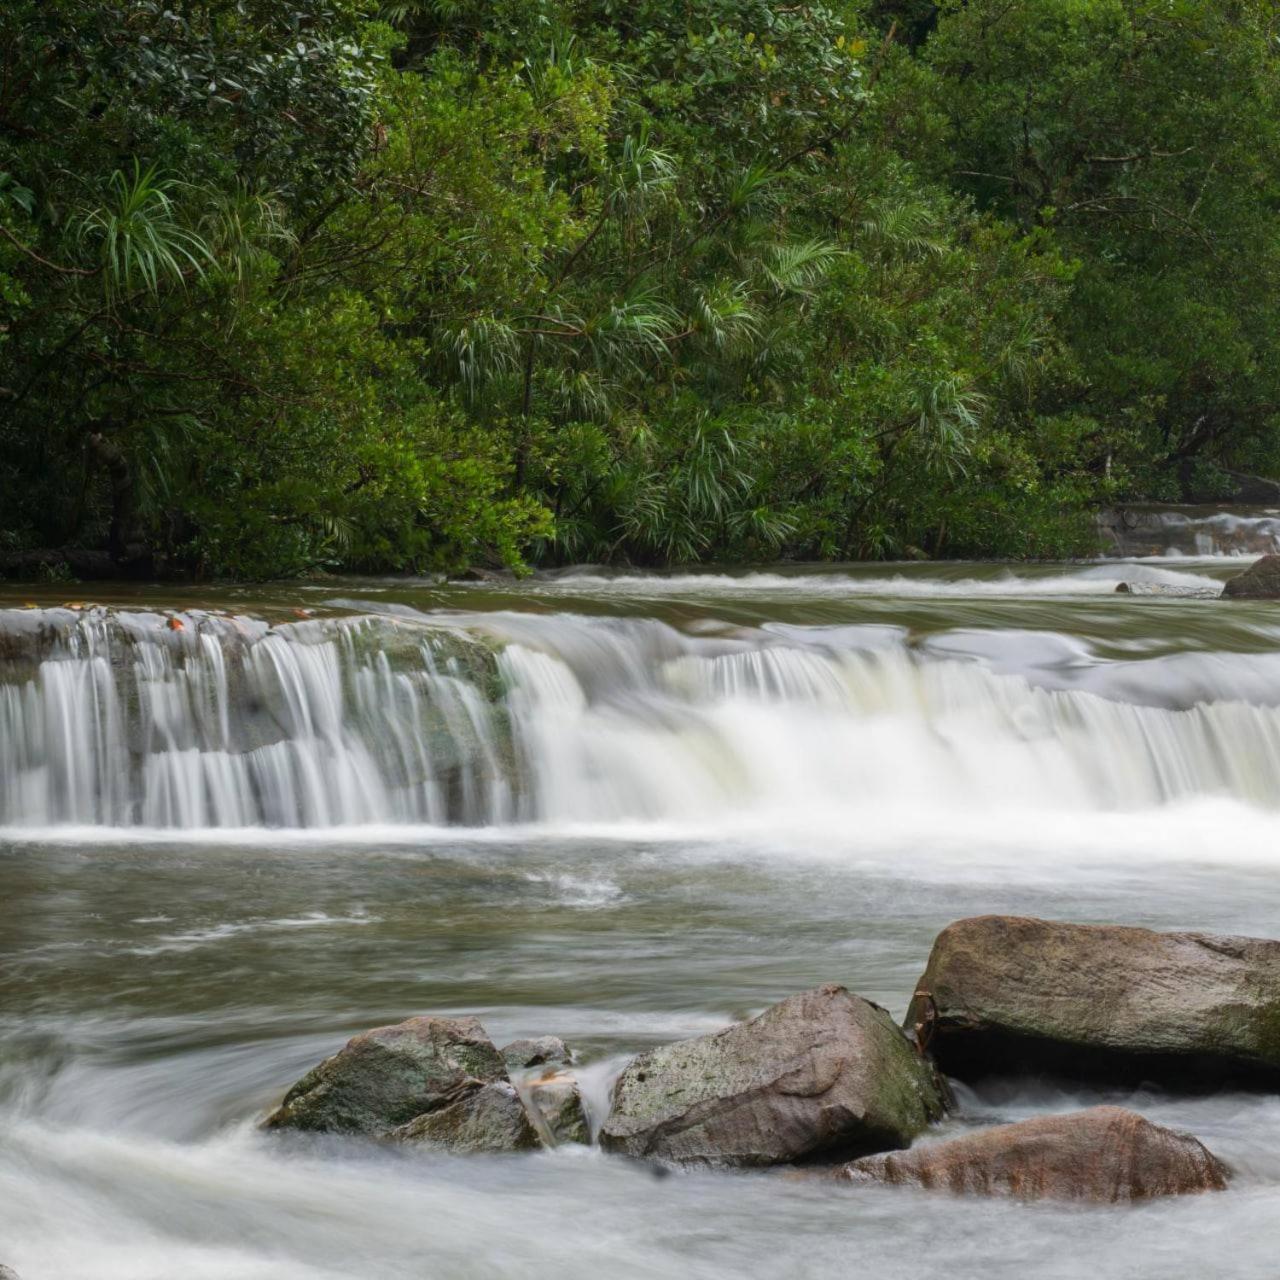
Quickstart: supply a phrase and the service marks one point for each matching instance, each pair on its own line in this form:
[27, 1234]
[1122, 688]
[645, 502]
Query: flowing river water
[238, 827]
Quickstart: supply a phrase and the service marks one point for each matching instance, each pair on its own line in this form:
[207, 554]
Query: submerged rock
[1105, 1155]
[1003, 994]
[1261, 581]
[540, 1052]
[556, 1104]
[821, 1072]
[430, 1070]
[482, 1118]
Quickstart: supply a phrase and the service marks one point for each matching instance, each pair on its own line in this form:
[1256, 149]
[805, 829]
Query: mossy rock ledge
[1105, 1155]
[436, 1081]
[823, 1073]
[1006, 995]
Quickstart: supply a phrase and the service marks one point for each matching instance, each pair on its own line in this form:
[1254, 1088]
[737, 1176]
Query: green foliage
[408, 286]
[1144, 135]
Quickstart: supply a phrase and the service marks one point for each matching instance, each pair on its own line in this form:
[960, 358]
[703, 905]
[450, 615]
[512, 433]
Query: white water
[1194, 532]
[590, 720]
[623, 810]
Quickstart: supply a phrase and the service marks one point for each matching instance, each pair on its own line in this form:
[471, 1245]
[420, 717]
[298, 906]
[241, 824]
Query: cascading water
[1192, 531]
[119, 719]
[623, 809]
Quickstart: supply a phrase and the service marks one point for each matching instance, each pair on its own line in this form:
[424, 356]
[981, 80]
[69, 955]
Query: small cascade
[226, 723]
[118, 720]
[1136, 532]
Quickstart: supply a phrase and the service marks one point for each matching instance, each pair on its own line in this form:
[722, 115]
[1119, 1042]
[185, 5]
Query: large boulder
[1005, 994]
[8, 1273]
[437, 1080]
[1261, 581]
[1105, 1155]
[822, 1072]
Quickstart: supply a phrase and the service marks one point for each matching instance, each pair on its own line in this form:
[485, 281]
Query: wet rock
[386, 1078]
[1105, 1155]
[1006, 994]
[556, 1104]
[1173, 590]
[821, 1072]
[541, 1052]
[1261, 581]
[482, 1118]
[497, 577]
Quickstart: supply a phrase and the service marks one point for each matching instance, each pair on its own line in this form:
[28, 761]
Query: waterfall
[123, 719]
[1192, 531]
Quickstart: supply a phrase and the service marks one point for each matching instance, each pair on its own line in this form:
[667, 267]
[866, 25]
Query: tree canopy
[417, 285]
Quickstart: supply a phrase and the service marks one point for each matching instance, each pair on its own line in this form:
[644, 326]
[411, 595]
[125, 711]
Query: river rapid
[237, 827]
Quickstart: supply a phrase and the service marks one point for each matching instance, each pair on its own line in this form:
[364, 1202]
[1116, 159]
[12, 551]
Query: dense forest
[392, 286]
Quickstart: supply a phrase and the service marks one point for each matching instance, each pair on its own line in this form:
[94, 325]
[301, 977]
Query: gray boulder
[8, 1273]
[543, 1051]
[1005, 994]
[821, 1072]
[1261, 581]
[1105, 1155]
[484, 1118]
[555, 1101]
[386, 1079]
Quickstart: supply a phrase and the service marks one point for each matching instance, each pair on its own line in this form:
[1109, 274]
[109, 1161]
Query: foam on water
[229, 845]
[1094, 579]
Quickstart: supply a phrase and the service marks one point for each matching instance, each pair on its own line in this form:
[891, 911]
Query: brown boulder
[1006, 994]
[823, 1071]
[1105, 1155]
[1261, 581]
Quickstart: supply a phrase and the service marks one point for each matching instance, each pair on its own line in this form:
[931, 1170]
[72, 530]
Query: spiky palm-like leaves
[137, 238]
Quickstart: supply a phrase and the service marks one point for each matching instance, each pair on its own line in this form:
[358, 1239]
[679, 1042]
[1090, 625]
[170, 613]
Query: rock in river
[541, 1052]
[490, 1117]
[1003, 994]
[1261, 581]
[821, 1072]
[437, 1080]
[1105, 1155]
[555, 1101]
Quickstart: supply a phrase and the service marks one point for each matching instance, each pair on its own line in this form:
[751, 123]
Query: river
[238, 826]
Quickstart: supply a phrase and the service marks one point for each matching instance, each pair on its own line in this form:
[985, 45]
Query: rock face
[1105, 1155]
[542, 1052]
[8, 1273]
[428, 1079]
[821, 1072]
[490, 1118]
[1003, 994]
[1261, 581]
[556, 1103]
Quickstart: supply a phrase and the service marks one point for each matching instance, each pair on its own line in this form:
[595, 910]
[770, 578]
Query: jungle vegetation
[412, 286]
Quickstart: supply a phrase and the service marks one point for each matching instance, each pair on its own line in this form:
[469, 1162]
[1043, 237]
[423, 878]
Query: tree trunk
[125, 540]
